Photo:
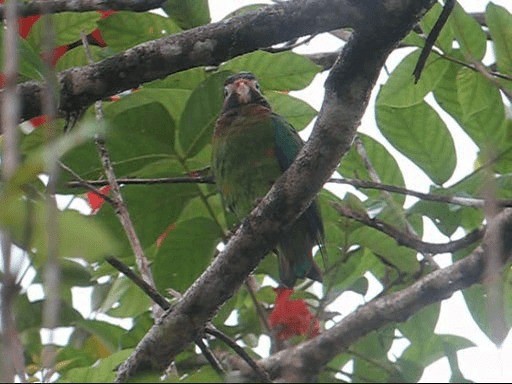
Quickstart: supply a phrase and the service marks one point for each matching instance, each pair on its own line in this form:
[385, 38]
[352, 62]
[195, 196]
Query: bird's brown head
[241, 89]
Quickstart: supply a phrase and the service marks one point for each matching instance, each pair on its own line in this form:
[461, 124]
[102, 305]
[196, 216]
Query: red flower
[38, 120]
[95, 201]
[25, 25]
[291, 318]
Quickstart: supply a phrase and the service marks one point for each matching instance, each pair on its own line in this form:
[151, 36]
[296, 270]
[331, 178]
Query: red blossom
[38, 120]
[95, 201]
[291, 318]
[25, 25]
[56, 54]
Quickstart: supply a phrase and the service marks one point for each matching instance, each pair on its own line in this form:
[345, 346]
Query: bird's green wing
[287, 140]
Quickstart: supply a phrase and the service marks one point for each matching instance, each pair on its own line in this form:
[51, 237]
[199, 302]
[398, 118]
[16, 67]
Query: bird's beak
[243, 90]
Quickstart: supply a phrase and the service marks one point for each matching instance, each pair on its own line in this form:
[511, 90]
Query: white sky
[484, 363]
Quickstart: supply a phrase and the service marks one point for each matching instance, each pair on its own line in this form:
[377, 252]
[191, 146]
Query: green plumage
[252, 147]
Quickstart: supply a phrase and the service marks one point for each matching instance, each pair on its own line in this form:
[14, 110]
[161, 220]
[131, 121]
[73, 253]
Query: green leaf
[131, 300]
[111, 337]
[67, 27]
[185, 253]
[297, 112]
[73, 241]
[400, 89]
[402, 258]
[499, 21]
[420, 326]
[446, 93]
[284, 71]
[103, 372]
[477, 299]
[420, 134]
[425, 352]
[352, 166]
[483, 114]
[29, 314]
[143, 123]
[188, 13]
[446, 217]
[188, 79]
[469, 34]
[124, 30]
[76, 57]
[152, 209]
[199, 116]
[31, 65]
[370, 361]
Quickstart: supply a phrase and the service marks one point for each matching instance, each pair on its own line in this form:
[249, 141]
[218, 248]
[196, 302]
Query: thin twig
[261, 313]
[407, 240]
[165, 305]
[162, 302]
[119, 205]
[262, 374]
[87, 185]
[212, 359]
[137, 181]
[142, 284]
[456, 200]
[471, 66]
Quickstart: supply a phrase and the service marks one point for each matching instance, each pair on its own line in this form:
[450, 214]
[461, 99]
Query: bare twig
[148, 289]
[249, 284]
[86, 184]
[210, 329]
[456, 200]
[363, 184]
[119, 205]
[472, 66]
[407, 240]
[260, 372]
[212, 359]
[136, 181]
[398, 210]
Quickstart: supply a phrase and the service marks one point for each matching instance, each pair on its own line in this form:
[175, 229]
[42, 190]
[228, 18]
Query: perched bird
[252, 147]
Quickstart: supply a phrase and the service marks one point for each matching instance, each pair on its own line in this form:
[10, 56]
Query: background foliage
[163, 129]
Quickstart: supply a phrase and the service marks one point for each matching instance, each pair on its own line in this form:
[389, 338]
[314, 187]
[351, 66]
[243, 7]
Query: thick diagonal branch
[347, 93]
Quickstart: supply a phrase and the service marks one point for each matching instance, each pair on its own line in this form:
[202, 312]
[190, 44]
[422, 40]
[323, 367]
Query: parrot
[251, 147]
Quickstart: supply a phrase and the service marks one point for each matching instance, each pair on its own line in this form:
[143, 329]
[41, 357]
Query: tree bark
[347, 92]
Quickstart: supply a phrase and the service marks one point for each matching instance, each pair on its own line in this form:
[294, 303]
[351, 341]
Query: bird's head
[241, 89]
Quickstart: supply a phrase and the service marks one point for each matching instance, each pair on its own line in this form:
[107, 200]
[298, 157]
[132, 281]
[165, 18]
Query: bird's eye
[226, 91]
[257, 86]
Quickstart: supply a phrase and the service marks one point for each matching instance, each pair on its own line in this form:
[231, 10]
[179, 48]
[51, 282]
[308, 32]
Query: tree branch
[38, 7]
[300, 363]
[348, 88]
[206, 45]
[408, 240]
[80, 183]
